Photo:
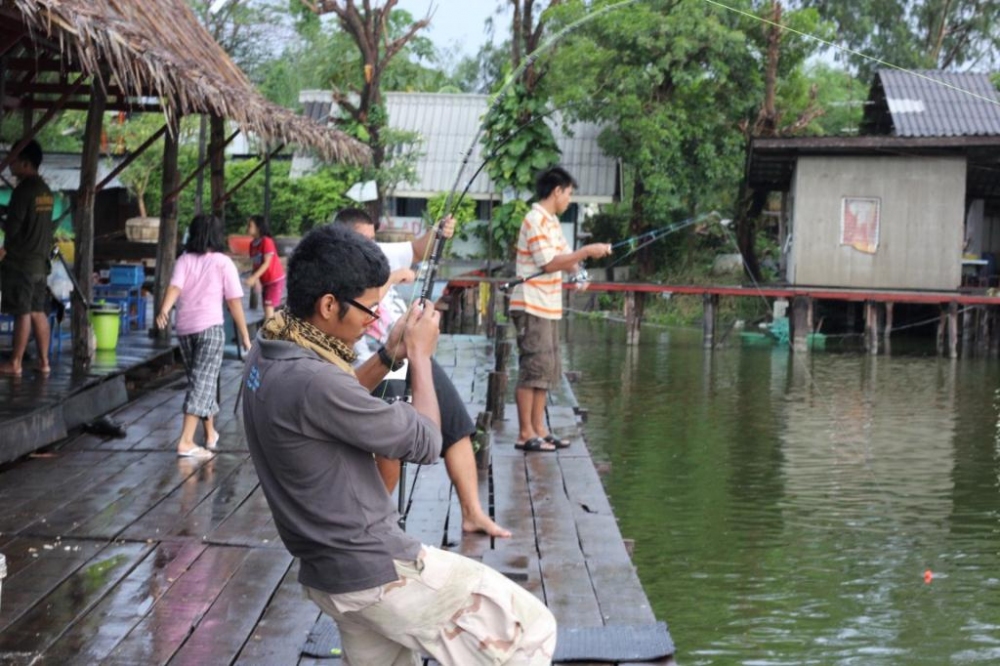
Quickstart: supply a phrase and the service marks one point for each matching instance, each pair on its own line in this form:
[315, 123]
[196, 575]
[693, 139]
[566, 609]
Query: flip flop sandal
[532, 445]
[197, 453]
[558, 443]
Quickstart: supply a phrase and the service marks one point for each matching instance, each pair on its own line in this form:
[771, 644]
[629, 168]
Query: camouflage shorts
[539, 363]
[449, 607]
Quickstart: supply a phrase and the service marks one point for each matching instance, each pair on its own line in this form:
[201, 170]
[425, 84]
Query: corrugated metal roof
[448, 122]
[937, 103]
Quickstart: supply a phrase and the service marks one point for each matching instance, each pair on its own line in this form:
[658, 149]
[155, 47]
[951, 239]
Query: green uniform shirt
[28, 231]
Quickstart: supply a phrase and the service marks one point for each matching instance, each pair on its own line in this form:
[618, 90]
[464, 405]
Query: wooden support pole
[953, 330]
[633, 316]
[887, 332]
[941, 329]
[253, 172]
[496, 387]
[83, 227]
[968, 324]
[32, 127]
[710, 314]
[983, 329]
[994, 343]
[800, 324]
[217, 165]
[166, 249]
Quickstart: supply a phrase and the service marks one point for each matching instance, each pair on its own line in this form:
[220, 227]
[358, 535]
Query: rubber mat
[612, 644]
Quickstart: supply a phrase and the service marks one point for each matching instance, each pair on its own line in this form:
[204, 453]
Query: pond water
[786, 510]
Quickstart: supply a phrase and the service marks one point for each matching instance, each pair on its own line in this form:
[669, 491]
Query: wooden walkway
[118, 552]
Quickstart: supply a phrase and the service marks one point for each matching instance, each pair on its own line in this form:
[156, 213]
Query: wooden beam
[201, 167]
[33, 132]
[132, 157]
[81, 105]
[243, 181]
[83, 227]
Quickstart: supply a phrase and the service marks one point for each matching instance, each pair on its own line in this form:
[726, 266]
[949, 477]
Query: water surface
[786, 509]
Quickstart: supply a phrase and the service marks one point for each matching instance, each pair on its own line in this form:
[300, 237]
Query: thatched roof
[158, 48]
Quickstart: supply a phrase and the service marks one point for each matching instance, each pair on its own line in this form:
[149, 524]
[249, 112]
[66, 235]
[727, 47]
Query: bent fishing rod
[635, 243]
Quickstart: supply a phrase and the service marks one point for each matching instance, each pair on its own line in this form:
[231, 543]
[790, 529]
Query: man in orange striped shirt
[536, 304]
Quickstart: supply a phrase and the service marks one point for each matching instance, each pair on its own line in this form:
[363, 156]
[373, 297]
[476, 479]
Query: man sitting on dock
[456, 426]
[313, 429]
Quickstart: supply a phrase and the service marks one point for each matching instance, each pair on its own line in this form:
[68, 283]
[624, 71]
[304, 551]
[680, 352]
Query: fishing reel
[580, 277]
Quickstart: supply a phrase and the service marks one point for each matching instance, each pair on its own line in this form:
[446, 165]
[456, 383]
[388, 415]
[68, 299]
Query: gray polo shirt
[312, 429]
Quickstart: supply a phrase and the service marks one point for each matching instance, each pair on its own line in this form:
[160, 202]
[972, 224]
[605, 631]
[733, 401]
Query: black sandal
[555, 441]
[532, 445]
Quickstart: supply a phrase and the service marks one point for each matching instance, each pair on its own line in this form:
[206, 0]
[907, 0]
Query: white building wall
[922, 205]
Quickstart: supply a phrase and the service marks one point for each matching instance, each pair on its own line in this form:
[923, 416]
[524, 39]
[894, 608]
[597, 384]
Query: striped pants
[202, 354]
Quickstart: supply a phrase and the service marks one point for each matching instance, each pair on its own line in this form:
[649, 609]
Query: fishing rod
[636, 243]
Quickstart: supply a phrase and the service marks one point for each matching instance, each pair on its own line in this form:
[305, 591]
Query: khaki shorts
[540, 366]
[456, 610]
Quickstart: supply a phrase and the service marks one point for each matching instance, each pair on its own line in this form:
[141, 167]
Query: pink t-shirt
[205, 281]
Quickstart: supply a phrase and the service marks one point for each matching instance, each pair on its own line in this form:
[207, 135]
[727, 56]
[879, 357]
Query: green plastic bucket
[105, 323]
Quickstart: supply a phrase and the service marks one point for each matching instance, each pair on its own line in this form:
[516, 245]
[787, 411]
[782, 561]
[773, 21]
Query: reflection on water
[785, 509]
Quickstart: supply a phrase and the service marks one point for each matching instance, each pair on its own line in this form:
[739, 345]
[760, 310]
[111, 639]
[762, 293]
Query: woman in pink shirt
[203, 278]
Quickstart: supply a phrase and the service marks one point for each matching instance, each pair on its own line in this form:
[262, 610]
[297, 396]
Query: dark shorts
[22, 293]
[455, 420]
[538, 343]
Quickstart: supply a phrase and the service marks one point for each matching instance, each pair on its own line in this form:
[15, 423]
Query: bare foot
[45, 369]
[482, 523]
[10, 369]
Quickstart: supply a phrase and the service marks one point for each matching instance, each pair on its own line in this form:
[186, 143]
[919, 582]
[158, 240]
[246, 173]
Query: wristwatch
[383, 355]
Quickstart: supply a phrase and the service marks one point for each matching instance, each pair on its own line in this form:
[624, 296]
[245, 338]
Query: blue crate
[129, 275]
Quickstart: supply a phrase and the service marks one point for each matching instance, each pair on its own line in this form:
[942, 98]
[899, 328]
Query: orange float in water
[928, 576]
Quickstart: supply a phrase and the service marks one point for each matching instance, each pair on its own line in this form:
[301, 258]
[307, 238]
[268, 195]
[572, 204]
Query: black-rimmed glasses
[371, 312]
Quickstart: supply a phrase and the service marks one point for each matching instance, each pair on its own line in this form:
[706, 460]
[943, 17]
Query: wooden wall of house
[921, 226]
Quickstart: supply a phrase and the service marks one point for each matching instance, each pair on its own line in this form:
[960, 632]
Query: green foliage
[296, 205]
[946, 34]
[506, 225]
[464, 213]
[518, 142]
[125, 136]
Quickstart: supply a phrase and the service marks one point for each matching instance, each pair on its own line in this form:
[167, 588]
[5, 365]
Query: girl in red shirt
[267, 268]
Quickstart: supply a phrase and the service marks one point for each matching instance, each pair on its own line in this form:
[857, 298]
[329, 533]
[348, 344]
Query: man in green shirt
[24, 259]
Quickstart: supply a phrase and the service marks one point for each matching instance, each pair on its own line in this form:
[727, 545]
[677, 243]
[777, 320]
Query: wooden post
[942, 327]
[968, 324]
[483, 439]
[983, 330]
[994, 343]
[496, 387]
[710, 305]
[217, 165]
[871, 327]
[166, 249]
[83, 226]
[800, 324]
[953, 330]
[633, 317]
[888, 326]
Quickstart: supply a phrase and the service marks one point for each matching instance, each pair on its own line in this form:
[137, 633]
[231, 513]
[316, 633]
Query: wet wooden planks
[119, 552]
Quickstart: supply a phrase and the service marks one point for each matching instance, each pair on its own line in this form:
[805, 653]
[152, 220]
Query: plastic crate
[128, 275]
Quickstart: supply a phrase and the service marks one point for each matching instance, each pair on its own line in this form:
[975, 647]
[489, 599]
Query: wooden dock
[118, 552]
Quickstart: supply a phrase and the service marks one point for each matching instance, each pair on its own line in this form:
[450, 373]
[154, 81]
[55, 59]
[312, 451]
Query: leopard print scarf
[286, 326]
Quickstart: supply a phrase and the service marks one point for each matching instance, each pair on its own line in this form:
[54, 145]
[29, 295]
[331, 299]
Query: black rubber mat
[613, 643]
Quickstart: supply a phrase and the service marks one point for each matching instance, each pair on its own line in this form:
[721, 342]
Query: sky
[456, 22]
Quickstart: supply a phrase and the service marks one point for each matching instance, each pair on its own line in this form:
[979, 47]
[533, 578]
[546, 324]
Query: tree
[369, 28]
[518, 142]
[944, 34]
